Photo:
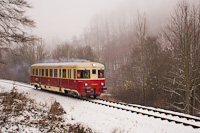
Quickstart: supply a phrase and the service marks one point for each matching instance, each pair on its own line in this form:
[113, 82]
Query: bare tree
[85, 52]
[64, 50]
[20, 58]
[13, 22]
[183, 33]
[141, 33]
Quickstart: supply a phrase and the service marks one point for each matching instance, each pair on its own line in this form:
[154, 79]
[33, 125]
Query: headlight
[102, 83]
[86, 84]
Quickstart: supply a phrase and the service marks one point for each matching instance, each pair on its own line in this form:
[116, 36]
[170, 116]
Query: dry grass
[78, 128]
[13, 102]
[17, 112]
[56, 109]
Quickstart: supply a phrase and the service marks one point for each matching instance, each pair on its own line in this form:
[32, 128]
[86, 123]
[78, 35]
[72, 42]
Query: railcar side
[75, 78]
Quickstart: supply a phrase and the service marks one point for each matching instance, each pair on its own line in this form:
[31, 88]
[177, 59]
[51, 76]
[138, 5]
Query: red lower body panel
[95, 86]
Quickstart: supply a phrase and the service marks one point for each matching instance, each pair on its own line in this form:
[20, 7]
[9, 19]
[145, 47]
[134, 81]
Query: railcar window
[36, 71]
[100, 73]
[83, 74]
[33, 71]
[68, 73]
[60, 73]
[74, 73]
[93, 71]
[55, 73]
[64, 73]
[46, 74]
[42, 72]
[51, 72]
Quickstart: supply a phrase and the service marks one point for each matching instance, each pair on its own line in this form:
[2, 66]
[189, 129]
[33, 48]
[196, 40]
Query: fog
[62, 19]
[150, 48]
[58, 21]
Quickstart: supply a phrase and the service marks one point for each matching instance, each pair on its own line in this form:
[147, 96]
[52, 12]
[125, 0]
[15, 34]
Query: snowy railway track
[150, 112]
[138, 109]
[16, 83]
[192, 118]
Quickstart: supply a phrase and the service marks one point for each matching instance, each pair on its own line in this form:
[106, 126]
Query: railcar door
[94, 74]
[74, 77]
[68, 79]
[37, 76]
[40, 74]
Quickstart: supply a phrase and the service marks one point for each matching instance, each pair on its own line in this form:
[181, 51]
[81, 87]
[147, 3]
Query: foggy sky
[59, 20]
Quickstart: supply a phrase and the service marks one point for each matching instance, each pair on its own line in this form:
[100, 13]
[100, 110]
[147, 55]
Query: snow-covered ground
[99, 118]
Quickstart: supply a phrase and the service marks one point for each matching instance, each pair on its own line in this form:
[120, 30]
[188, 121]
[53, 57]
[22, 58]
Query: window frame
[74, 73]
[55, 73]
[43, 72]
[70, 73]
[64, 73]
[33, 71]
[94, 70]
[60, 73]
[36, 71]
[50, 72]
[47, 72]
[83, 72]
[102, 73]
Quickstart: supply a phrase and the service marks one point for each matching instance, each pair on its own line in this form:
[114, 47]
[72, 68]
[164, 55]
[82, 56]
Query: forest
[146, 64]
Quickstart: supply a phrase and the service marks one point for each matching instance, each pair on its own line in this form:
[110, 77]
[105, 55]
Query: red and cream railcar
[75, 78]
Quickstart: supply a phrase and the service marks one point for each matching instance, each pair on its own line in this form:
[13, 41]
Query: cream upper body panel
[69, 70]
[70, 65]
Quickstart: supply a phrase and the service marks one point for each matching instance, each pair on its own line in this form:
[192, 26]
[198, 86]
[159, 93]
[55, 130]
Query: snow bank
[102, 119]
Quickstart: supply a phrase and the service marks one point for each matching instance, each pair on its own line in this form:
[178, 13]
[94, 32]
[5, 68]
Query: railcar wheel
[74, 94]
[36, 87]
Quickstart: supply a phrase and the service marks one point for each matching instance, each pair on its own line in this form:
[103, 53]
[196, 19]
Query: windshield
[83, 74]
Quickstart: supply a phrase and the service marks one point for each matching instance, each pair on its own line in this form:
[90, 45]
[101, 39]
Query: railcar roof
[70, 65]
